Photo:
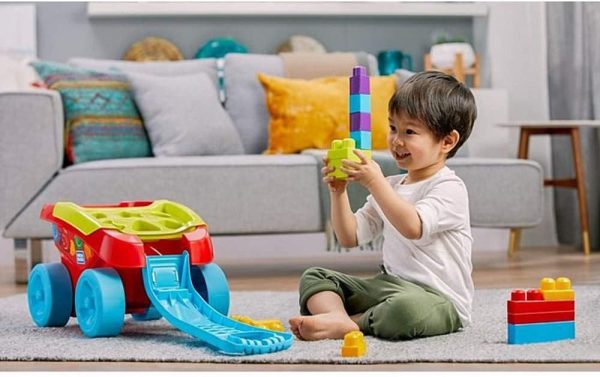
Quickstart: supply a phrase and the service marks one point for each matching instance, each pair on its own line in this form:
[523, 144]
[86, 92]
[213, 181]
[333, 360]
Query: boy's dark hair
[438, 100]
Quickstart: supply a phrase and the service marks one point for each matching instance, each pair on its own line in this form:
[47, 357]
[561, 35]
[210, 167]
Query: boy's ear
[449, 141]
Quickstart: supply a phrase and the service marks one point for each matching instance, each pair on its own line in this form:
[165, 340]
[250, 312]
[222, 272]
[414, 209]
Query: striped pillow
[101, 118]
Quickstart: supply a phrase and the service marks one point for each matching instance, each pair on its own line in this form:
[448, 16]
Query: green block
[343, 150]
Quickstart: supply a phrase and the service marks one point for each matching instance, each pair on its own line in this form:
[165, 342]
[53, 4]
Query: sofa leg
[514, 241]
[28, 253]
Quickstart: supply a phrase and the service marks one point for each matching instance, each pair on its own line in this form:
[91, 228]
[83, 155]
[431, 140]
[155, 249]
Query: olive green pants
[393, 308]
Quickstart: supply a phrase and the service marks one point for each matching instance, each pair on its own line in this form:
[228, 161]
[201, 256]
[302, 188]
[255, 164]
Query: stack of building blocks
[354, 344]
[360, 108]
[360, 124]
[542, 315]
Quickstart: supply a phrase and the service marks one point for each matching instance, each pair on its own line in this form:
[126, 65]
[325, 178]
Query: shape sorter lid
[162, 219]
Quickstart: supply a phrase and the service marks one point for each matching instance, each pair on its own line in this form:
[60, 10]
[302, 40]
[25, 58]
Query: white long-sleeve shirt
[441, 258]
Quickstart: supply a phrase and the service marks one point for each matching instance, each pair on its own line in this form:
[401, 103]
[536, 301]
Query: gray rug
[483, 341]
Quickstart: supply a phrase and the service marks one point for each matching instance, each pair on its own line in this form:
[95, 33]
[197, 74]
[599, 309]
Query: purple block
[360, 122]
[359, 85]
[359, 70]
[359, 82]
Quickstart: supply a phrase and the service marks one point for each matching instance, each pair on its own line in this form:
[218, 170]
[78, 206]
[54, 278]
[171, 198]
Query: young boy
[425, 287]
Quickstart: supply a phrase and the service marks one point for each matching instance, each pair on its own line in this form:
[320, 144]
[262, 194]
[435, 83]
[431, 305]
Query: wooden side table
[557, 127]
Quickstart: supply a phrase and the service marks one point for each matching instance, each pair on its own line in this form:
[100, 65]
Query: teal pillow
[101, 118]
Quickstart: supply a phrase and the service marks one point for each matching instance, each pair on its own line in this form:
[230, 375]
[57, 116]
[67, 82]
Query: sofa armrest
[503, 192]
[31, 131]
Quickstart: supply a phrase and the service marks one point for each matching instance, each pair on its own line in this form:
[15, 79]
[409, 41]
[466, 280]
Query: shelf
[346, 8]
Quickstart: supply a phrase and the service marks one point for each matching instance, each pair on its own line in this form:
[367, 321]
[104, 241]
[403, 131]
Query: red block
[532, 302]
[516, 319]
[516, 307]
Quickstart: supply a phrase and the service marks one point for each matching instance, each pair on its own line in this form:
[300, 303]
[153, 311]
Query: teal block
[360, 103]
[540, 332]
[362, 139]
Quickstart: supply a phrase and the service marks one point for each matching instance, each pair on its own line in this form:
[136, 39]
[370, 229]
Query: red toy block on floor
[537, 307]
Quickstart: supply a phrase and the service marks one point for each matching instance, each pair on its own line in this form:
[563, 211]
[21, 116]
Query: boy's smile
[401, 155]
[415, 148]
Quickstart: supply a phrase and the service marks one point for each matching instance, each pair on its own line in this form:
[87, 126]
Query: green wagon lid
[162, 219]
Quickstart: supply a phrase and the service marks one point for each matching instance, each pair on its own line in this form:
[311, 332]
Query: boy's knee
[394, 319]
[406, 317]
[313, 274]
[314, 280]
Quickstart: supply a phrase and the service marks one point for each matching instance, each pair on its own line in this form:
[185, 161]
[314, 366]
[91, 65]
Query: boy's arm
[343, 220]
[400, 213]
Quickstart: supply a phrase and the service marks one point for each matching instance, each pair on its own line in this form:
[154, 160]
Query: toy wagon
[147, 259]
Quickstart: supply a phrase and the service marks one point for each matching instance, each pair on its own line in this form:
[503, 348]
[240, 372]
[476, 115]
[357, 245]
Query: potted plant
[444, 50]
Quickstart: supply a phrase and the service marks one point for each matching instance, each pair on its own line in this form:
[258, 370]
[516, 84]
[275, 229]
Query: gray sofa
[235, 194]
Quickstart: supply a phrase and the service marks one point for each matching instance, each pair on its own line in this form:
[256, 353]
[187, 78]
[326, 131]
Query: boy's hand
[335, 185]
[365, 172]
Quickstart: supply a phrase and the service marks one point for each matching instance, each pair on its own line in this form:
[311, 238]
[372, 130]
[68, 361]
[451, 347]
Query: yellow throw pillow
[311, 113]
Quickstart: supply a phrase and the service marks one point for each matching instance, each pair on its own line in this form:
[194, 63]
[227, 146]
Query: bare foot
[322, 326]
[295, 324]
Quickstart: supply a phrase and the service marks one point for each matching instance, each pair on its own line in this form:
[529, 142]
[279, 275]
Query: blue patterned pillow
[101, 118]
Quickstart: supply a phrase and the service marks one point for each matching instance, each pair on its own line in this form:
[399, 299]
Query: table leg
[515, 233]
[523, 144]
[581, 196]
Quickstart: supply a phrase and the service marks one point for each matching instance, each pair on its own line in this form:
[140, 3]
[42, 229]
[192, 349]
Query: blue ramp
[170, 289]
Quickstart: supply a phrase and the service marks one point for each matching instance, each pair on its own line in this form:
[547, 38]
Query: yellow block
[267, 324]
[557, 290]
[354, 344]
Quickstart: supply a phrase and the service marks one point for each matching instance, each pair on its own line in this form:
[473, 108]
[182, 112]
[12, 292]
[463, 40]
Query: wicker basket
[153, 49]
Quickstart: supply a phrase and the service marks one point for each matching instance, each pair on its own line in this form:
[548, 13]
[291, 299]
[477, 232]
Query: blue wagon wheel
[151, 314]
[210, 281]
[100, 302]
[50, 295]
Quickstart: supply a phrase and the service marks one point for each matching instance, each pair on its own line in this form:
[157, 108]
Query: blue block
[540, 332]
[360, 103]
[362, 139]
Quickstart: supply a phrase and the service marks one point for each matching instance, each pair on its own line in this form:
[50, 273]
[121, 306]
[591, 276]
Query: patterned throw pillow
[311, 113]
[101, 118]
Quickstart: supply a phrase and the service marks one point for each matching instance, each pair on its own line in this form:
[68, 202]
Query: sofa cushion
[311, 113]
[183, 115]
[101, 118]
[171, 68]
[233, 194]
[245, 97]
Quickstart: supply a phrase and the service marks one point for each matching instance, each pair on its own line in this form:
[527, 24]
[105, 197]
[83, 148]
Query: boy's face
[413, 145]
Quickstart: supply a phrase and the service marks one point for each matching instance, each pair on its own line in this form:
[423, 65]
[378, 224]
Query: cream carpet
[484, 341]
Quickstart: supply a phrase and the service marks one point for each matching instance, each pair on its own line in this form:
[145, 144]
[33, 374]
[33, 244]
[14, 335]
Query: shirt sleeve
[445, 206]
[368, 222]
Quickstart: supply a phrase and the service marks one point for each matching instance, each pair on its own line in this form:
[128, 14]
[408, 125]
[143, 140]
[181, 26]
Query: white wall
[17, 28]
[512, 44]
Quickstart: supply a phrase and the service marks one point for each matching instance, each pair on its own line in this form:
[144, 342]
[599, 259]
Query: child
[425, 287]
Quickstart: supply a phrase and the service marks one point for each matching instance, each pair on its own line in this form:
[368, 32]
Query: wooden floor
[490, 270]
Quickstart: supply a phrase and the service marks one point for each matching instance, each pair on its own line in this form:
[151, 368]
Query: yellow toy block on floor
[343, 150]
[268, 324]
[354, 344]
[557, 290]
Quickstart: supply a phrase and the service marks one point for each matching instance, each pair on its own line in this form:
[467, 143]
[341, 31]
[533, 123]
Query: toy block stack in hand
[360, 124]
[542, 315]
